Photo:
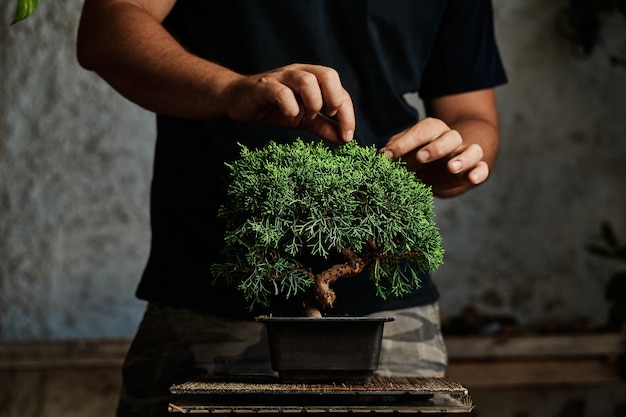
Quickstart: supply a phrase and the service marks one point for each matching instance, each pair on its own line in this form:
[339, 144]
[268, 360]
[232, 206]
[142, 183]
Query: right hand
[296, 96]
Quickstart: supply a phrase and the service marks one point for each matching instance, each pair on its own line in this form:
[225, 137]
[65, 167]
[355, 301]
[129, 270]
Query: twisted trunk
[322, 290]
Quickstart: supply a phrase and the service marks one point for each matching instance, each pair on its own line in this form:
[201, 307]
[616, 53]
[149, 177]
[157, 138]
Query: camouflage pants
[173, 345]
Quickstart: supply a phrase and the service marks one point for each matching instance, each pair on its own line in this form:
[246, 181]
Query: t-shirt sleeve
[465, 55]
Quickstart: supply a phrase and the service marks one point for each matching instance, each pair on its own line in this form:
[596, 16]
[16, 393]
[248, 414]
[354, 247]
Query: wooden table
[266, 395]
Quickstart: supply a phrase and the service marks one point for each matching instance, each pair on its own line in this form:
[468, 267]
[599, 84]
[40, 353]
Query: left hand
[438, 154]
[456, 148]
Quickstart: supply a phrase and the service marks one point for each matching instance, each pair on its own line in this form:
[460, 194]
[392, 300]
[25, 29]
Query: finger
[332, 90]
[442, 146]
[338, 130]
[466, 160]
[479, 174]
[418, 135]
[307, 88]
[334, 100]
[280, 95]
[337, 101]
[324, 128]
[346, 120]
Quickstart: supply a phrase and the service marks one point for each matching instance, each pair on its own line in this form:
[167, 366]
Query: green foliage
[615, 291]
[24, 9]
[290, 203]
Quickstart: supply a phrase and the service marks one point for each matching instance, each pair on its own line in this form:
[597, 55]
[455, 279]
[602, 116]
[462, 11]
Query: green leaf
[24, 9]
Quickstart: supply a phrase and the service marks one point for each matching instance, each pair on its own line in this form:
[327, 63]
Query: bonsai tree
[290, 204]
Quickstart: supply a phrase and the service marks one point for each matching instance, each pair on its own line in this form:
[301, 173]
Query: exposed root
[310, 310]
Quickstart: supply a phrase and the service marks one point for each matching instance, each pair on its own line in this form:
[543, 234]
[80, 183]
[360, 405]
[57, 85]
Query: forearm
[129, 48]
[125, 43]
[484, 134]
[474, 116]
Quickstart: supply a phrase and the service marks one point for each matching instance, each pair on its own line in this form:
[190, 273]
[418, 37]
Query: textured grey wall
[516, 245]
[75, 163]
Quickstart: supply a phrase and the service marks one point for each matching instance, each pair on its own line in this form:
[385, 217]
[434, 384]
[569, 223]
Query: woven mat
[268, 385]
[247, 394]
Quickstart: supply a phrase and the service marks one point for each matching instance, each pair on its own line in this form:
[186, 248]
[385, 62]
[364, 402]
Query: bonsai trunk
[322, 291]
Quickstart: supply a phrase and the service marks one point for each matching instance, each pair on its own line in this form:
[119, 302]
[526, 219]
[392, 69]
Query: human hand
[439, 156]
[297, 96]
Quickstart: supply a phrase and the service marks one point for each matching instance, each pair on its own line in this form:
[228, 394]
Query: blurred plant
[24, 9]
[615, 291]
[581, 23]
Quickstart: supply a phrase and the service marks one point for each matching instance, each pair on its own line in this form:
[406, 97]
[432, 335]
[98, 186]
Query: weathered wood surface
[535, 361]
[592, 344]
[63, 354]
[477, 362]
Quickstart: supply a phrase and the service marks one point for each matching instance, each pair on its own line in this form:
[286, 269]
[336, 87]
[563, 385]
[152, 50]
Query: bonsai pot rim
[270, 319]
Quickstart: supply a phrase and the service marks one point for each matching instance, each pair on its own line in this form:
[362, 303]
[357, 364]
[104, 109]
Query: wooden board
[562, 346]
[535, 361]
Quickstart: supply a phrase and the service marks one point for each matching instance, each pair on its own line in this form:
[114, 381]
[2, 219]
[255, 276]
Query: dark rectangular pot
[327, 349]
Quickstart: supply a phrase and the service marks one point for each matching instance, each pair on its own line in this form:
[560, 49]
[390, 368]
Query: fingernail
[387, 153]
[476, 178]
[349, 135]
[456, 166]
[423, 155]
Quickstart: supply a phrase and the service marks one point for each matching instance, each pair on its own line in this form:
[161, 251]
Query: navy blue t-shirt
[381, 49]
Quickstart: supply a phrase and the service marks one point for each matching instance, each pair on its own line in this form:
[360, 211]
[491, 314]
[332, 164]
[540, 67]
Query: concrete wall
[516, 245]
[75, 165]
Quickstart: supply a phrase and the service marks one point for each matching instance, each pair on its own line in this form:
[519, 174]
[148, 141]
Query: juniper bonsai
[289, 203]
